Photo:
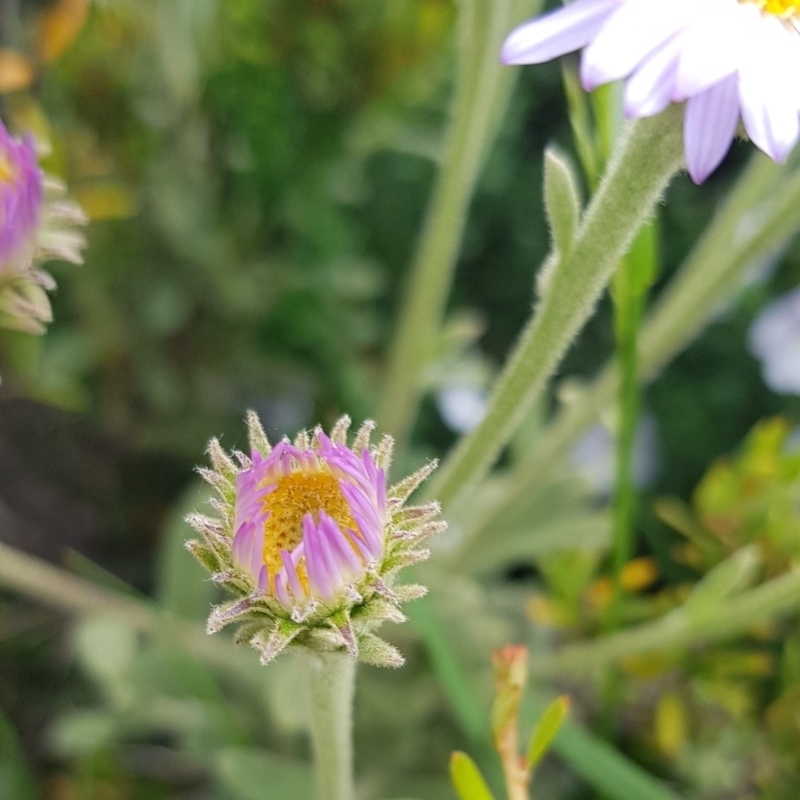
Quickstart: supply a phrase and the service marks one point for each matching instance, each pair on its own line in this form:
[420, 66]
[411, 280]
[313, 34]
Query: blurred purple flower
[21, 198]
[594, 456]
[35, 226]
[725, 58]
[774, 339]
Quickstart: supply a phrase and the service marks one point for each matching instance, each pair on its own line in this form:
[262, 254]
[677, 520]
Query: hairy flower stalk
[36, 224]
[309, 541]
[727, 59]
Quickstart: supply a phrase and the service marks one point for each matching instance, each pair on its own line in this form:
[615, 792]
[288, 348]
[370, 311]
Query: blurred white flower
[774, 339]
[461, 407]
[727, 58]
[594, 456]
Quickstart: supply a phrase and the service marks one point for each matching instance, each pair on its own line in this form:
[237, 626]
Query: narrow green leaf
[250, 774]
[678, 515]
[546, 728]
[467, 778]
[16, 780]
[607, 770]
[561, 199]
[456, 684]
[735, 574]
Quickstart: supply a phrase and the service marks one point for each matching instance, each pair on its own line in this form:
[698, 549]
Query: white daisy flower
[728, 59]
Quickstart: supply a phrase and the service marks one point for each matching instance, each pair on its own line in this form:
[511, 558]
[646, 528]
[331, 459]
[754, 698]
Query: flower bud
[309, 540]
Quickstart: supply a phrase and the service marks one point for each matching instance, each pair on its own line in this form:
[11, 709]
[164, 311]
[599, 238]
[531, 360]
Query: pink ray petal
[315, 561]
[342, 549]
[292, 577]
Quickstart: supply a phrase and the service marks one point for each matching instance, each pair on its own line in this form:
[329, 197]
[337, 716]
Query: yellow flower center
[7, 172]
[295, 496]
[780, 8]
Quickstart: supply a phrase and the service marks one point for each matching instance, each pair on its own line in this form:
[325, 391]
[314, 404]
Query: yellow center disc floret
[780, 8]
[295, 496]
[7, 172]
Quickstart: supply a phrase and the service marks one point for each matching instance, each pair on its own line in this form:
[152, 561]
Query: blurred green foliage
[257, 173]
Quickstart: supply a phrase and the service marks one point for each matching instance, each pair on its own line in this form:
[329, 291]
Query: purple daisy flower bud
[36, 223]
[310, 539]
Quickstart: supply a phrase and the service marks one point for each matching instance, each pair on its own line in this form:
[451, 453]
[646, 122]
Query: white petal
[770, 103]
[713, 47]
[709, 127]
[557, 33]
[649, 90]
[637, 29]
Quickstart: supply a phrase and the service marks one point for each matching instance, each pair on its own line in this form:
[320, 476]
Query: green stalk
[629, 293]
[647, 157]
[331, 678]
[482, 90]
[628, 318]
[721, 620]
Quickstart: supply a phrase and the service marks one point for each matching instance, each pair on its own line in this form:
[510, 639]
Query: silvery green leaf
[561, 199]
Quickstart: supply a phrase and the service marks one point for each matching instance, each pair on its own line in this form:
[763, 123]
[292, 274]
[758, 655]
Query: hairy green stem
[331, 684]
[718, 621]
[647, 157]
[483, 86]
[758, 217]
